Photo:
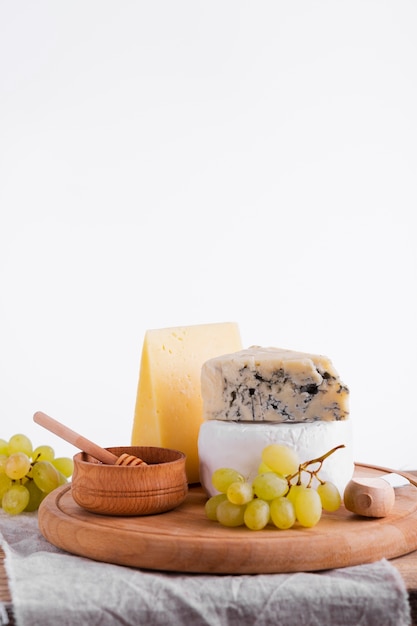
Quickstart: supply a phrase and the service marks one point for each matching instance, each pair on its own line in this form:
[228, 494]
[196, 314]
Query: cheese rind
[168, 410]
[239, 446]
[272, 385]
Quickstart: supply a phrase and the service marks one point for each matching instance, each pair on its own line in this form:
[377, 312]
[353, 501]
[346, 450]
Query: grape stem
[303, 467]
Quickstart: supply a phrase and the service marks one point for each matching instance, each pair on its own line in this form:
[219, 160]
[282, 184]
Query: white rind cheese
[239, 446]
[272, 385]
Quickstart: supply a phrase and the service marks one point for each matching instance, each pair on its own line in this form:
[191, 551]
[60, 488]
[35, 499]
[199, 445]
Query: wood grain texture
[156, 486]
[77, 440]
[183, 540]
[370, 497]
[4, 584]
[5, 595]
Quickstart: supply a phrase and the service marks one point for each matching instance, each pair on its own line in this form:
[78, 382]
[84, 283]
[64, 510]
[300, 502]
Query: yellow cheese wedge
[169, 406]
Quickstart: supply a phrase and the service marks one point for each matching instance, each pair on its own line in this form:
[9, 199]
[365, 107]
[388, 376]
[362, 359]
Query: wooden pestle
[80, 442]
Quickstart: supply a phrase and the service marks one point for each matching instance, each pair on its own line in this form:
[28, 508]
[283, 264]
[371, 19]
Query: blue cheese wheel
[273, 385]
[239, 446]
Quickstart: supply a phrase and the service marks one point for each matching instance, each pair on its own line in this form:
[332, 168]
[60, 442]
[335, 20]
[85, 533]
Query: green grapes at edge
[28, 474]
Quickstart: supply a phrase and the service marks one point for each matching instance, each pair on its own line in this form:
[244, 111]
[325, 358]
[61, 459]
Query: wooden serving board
[184, 540]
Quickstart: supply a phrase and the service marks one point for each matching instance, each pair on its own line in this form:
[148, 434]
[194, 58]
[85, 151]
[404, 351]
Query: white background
[181, 162]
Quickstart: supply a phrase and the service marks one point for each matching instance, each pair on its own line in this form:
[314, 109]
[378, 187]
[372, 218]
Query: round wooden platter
[184, 540]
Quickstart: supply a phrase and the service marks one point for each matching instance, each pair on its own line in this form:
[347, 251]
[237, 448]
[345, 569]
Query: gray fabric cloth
[4, 618]
[50, 587]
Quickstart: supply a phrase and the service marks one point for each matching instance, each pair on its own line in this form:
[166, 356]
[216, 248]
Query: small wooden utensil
[80, 442]
[369, 497]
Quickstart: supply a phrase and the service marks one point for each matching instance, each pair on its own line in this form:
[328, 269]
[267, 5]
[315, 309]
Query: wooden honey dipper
[80, 442]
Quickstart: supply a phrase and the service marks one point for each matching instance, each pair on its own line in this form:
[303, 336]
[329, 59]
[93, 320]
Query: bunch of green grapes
[278, 495]
[28, 474]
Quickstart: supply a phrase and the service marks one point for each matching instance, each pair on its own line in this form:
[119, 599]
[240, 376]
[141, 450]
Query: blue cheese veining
[273, 385]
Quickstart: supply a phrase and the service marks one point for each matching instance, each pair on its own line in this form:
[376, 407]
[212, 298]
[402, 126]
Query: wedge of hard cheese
[169, 410]
[272, 385]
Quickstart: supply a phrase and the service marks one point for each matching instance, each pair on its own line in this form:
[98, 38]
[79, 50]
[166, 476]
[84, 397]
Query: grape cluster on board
[28, 474]
[284, 492]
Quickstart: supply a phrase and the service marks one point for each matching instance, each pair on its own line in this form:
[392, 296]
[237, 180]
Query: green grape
[281, 459]
[282, 513]
[223, 477]
[17, 465]
[35, 496]
[4, 447]
[329, 496]
[308, 507]
[263, 468]
[62, 479]
[46, 476]
[256, 515]
[229, 514]
[212, 504]
[5, 484]
[28, 474]
[269, 486]
[43, 453]
[15, 500]
[3, 461]
[240, 492]
[293, 492]
[64, 465]
[20, 443]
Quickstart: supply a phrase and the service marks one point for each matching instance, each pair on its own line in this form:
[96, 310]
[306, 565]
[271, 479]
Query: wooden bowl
[119, 490]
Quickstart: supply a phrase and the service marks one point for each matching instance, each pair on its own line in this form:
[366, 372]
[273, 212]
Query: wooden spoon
[80, 442]
[370, 497]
